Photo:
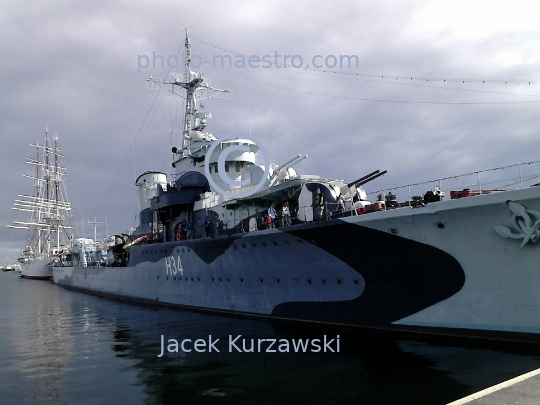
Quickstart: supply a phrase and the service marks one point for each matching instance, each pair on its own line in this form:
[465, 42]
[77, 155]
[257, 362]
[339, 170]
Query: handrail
[513, 181]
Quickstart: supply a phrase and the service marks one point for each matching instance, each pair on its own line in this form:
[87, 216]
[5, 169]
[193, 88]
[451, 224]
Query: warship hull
[445, 266]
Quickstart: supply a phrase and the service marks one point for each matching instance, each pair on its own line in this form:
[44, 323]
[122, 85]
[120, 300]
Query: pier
[522, 390]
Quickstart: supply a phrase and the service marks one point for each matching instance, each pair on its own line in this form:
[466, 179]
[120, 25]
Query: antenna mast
[196, 89]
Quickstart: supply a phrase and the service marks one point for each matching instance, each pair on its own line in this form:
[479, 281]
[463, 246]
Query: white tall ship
[48, 210]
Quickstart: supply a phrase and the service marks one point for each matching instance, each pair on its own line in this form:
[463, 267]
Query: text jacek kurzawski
[239, 344]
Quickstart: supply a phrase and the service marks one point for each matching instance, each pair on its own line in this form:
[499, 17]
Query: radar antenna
[197, 88]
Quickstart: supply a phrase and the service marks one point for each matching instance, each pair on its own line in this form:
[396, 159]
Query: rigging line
[330, 70]
[131, 146]
[385, 101]
[411, 84]
[125, 158]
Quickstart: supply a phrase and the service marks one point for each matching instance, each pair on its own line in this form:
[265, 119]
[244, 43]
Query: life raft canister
[178, 236]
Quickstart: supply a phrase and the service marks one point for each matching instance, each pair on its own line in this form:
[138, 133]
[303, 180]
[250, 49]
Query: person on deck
[286, 213]
[318, 204]
[272, 214]
[207, 227]
[190, 228]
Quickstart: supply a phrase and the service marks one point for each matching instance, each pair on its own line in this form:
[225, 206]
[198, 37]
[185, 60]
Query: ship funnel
[148, 188]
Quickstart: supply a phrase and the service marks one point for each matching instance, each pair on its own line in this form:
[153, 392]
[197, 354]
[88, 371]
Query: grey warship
[458, 266]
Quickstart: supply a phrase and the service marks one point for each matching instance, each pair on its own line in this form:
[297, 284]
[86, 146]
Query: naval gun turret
[281, 173]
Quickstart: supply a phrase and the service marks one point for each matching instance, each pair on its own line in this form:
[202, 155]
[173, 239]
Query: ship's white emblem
[525, 222]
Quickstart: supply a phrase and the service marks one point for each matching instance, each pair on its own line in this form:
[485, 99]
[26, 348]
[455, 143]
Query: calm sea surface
[63, 347]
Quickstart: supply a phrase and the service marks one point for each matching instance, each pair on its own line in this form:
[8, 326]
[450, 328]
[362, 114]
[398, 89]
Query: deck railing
[502, 178]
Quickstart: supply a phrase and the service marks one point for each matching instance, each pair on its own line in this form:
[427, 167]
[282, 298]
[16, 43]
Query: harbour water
[65, 347]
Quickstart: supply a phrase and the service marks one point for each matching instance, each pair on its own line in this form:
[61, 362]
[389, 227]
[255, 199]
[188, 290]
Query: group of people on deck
[218, 227]
[260, 221]
[268, 221]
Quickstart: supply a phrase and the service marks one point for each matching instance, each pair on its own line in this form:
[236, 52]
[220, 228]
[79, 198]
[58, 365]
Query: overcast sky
[441, 88]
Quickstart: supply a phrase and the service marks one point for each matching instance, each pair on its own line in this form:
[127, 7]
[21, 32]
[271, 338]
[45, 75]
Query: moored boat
[226, 234]
[48, 210]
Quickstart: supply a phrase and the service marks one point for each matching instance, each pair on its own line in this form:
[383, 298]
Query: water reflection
[64, 347]
[371, 367]
[34, 346]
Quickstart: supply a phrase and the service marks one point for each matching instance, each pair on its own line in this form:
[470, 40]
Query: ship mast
[196, 89]
[36, 215]
[47, 177]
[57, 191]
[47, 206]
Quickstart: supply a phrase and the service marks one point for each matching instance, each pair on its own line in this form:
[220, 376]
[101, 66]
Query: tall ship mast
[48, 209]
[224, 233]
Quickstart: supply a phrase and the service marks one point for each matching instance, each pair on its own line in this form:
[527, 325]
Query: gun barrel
[352, 183]
[371, 178]
[288, 162]
[294, 161]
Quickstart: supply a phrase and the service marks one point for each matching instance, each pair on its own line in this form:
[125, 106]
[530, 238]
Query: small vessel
[7, 267]
[49, 212]
[212, 237]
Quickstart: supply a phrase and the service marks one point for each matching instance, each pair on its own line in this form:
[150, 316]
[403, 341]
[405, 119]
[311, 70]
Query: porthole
[309, 281]
[253, 244]
[198, 279]
[338, 280]
[261, 280]
[241, 279]
[393, 231]
[228, 280]
[300, 241]
[234, 246]
[220, 279]
[295, 280]
[275, 243]
[287, 242]
[158, 277]
[174, 277]
[323, 281]
[440, 225]
[278, 280]
[244, 246]
[182, 250]
[264, 244]
[355, 281]
[192, 279]
[213, 279]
